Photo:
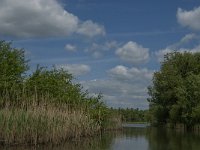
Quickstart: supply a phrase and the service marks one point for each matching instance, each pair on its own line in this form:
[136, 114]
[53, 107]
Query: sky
[111, 47]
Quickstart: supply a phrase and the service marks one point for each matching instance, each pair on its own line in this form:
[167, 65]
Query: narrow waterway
[132, 137]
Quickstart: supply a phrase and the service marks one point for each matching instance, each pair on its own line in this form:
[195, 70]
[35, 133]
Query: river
[132, 137]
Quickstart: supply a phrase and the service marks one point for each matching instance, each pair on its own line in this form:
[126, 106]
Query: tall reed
[44, 124]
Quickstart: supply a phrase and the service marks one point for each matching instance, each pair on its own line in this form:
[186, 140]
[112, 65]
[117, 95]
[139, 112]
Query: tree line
[131, 115]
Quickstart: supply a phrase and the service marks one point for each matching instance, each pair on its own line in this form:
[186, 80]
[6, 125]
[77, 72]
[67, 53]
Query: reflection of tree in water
[157, 138]
[166, 139]
[133, 132]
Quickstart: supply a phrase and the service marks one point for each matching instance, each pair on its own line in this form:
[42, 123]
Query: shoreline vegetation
[175, 93]
[46, 106]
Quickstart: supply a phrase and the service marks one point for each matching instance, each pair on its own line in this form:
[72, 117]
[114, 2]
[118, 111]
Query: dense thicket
[175, 92]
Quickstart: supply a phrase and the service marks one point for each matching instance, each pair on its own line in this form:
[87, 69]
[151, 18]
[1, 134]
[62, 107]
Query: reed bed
[43, 124]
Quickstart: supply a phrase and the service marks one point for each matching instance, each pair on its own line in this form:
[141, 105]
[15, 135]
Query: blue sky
[111, 46]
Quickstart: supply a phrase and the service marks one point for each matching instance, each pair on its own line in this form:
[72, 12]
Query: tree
[13, 66]
[174, 94]
[54, 84]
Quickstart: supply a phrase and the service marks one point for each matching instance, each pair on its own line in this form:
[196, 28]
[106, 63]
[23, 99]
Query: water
[132, 137]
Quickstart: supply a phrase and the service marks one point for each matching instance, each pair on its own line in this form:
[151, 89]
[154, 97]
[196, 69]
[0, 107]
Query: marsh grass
[43, 124]
[31, 119]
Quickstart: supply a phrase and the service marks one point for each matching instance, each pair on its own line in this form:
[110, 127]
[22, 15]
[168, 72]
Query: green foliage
[175, 93]
[13, 66]
[55, 84]
[132, 115]
[45, 90]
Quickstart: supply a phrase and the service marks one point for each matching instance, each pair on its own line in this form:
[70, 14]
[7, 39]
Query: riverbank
[140, 138]
[44, 124]
[47, 124]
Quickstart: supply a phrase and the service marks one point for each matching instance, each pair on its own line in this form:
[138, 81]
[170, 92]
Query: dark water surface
[132, 137]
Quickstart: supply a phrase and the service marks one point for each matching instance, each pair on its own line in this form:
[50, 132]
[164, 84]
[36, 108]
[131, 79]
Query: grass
[41, 119]
[43, 124]
[32, 120]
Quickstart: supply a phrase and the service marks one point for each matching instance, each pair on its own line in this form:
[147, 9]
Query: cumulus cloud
[133, 53]
[189, 18]
[131, 74]
[70, 47]
[75, 69]
[126, 87]
[41, 18]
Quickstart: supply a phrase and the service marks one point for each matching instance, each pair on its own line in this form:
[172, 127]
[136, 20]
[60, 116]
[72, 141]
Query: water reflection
[137, 137]
[98, 142]
[162, 139]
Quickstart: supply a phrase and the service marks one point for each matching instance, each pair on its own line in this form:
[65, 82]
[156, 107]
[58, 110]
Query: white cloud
[120, 71]
[124, 101]
[190, 18]
[133, 53]
[187, 38]
[90, 29]
[97, 50]
[160, 54]
[40, 18]
[131, 74]
[195, 49]
[107, 46]
[126, 87]
[184, 41]
[121, 92]
[75, 69]
[179, 46]
[97, 54]
[110, 45]
[70, 47]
